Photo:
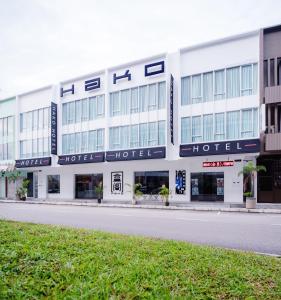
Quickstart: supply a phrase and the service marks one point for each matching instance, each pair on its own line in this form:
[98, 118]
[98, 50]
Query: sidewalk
[219, 207]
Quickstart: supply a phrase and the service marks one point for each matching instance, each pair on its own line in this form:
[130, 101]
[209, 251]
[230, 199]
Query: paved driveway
[251, 232]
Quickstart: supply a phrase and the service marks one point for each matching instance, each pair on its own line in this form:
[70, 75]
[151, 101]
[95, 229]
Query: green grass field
[39, 261]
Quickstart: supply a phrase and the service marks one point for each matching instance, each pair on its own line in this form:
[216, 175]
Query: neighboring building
[269, 185]
[188, 120]
[7, 144]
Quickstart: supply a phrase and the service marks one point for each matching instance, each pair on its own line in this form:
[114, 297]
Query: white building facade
[188, 120]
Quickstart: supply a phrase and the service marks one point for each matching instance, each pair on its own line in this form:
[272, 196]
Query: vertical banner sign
[180, 181]
[54, 128]
[117, 182]
[172, 108]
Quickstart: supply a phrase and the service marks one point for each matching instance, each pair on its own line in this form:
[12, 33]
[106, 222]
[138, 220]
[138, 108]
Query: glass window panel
[10, 154]
[35, 120]
[100, 105]
[29, 120]
[65, 144]
[143, 98]
[40, 118]
[196, 89]
[143, 132]
[10, 127]
[124, 137]
[71, 112]
[208, 134]
[134, 140]
[100, 139]
[185, 91]
[185, 130]
[161, 133]
[125, 102]
[53, 184]
[92, 108]
[114, 138]
[40, 147]
[233, 125]
[196, 129]
[92, 141]
[71, 143]
[84, 142]
[246, 80]
[255, 78]
[161, 95]
[78, 142]
[134, 100]
[152, 134]
[46, 146]
[152, 102]
[208, 86]
[85, 110]
[64, 114]
[219, 85]
[256, 126]
[233, 82]
[35, 147]
[114, 104]
[247, 123]
[78, 111]
[46, 117]
[219, 126]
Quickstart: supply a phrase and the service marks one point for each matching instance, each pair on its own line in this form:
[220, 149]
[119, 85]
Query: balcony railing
[273, 94]
[273, 141]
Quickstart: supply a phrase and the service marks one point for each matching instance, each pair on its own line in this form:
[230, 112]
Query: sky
[43, 42]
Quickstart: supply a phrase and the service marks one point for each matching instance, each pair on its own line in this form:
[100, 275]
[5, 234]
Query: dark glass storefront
[207, 186]
[269, 182]
[152, 181]
[85, 185]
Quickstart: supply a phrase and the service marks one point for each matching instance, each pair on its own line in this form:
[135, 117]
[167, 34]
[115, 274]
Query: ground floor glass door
[85, 185]
[207, 186]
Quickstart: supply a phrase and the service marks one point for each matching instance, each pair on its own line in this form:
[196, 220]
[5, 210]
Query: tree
[250, 171]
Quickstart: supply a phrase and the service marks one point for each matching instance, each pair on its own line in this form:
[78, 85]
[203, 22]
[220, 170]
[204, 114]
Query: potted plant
[137, 193]
[22, 190]
[250, 171]
[164, 193]
[99, 191]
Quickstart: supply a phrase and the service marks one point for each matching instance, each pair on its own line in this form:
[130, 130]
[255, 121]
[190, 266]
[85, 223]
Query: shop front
[207, 186]
[86, 184]
[151, 181]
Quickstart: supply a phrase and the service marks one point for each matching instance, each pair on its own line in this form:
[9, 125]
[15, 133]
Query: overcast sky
[45, 41]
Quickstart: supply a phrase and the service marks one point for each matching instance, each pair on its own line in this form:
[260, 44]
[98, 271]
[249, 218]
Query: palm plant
[249, 171]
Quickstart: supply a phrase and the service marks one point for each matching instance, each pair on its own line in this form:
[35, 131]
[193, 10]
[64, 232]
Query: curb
[187, 208]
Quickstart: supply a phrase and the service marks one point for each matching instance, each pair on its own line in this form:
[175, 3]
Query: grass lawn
[39, 261]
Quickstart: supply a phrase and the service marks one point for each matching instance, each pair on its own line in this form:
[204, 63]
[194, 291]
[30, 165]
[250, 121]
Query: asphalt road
[251, 232]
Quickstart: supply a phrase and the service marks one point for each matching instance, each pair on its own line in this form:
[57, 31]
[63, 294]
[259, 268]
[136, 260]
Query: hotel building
[188, 120]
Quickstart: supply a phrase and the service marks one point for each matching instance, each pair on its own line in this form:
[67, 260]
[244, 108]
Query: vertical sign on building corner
[54, 128]
[172, 108]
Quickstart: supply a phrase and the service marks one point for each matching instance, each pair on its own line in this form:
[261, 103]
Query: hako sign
[216, 148]
[136, 154]
[95, 83]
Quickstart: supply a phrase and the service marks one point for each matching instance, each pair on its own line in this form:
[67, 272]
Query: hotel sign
[172, 108]
[136, 154]
[33, 162]
[54, 128]
[217, 148]
[210, 164]
[81, 158]
[95, 83]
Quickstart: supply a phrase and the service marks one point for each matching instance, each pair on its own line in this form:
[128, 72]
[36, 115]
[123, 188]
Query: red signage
[208, 164]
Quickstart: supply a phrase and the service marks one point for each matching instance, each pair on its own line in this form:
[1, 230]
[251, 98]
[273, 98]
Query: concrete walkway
[223, 207]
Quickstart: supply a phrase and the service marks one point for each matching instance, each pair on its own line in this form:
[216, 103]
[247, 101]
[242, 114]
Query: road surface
[245, 231]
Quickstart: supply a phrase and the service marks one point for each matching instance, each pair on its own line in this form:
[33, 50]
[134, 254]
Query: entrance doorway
[207, 186]
[85, 185]
[32, 190]
[269, 182]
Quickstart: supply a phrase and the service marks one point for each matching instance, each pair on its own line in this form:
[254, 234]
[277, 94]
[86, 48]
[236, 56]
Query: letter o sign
[206, 148]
